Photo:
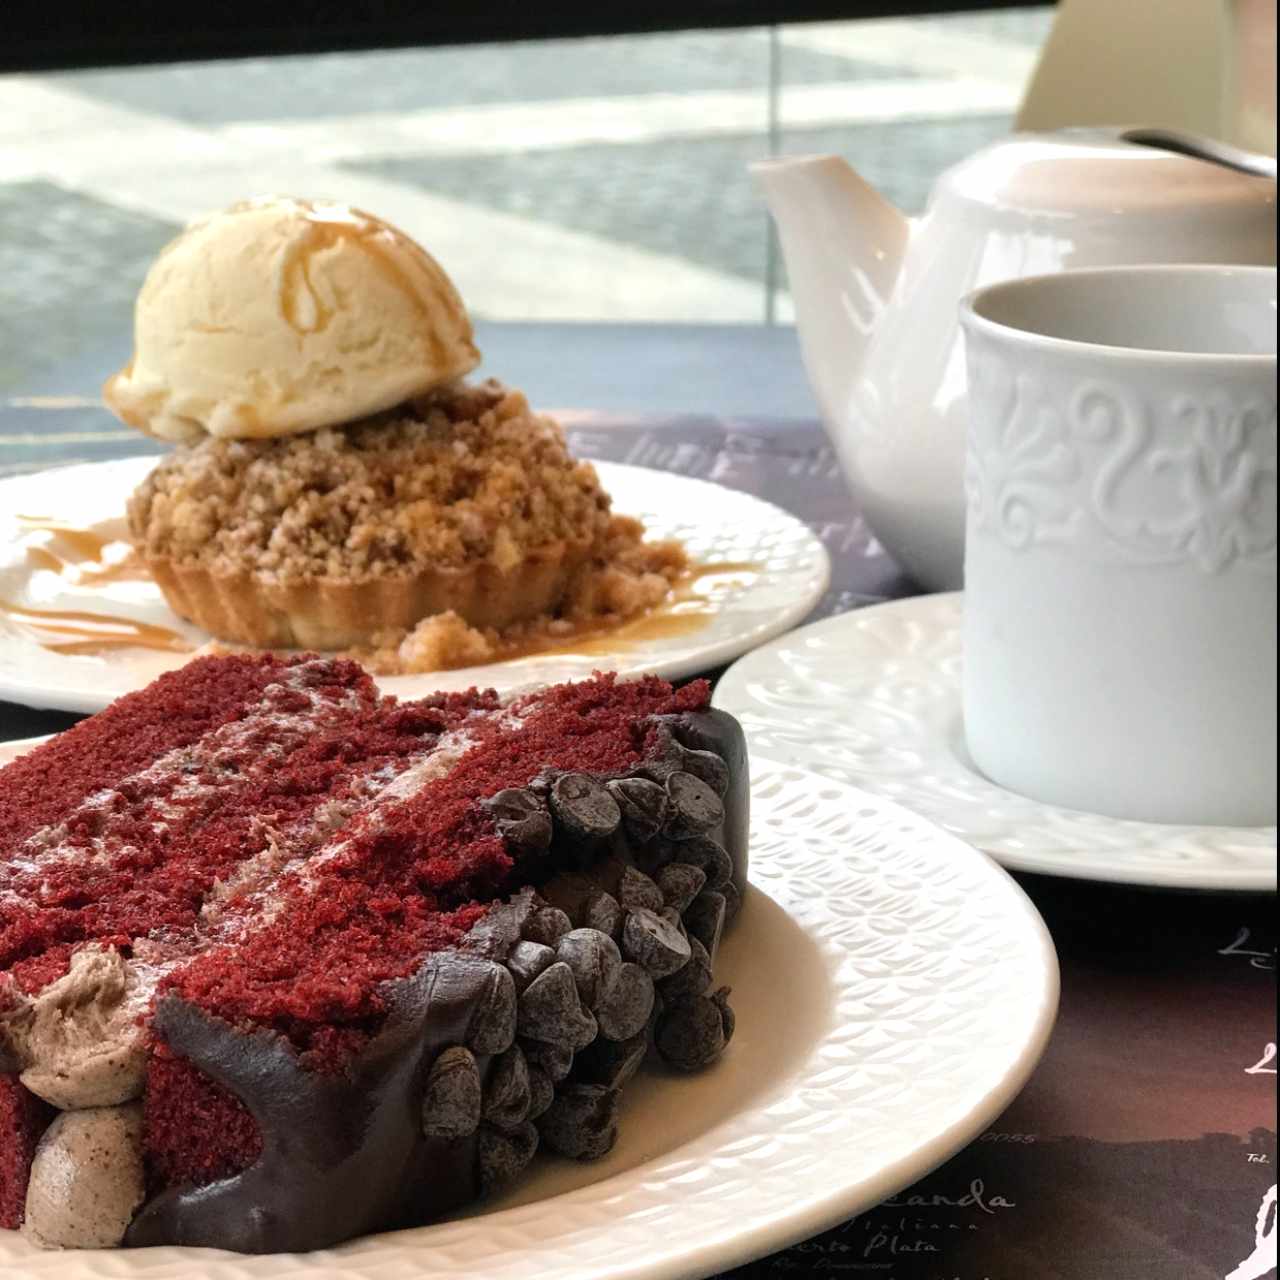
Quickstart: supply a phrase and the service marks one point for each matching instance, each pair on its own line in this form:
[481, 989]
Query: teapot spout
[844, 244]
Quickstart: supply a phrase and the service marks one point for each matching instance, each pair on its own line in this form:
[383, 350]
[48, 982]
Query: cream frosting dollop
[87, 1179]
[79, 1042]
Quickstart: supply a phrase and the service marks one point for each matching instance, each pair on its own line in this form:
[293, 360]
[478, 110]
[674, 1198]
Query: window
[597, 179]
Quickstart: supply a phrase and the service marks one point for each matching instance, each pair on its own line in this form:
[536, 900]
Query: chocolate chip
[554, 1060]
[694, 807]
[499, 931]
[493, 1025]
[635, 889]
[658, 770]
[671, 746]
[541, 1091]
[506, 1093]
[611, 1062]
[522, 817]
[451, 1104]
[690, 1033]
[503, 1155]
[711, 857]
[666, 752]
[704, 920]
[584, 808]
[694, 979]
[600, 910]
[626, 1010]
[654, 943]
[594, 959]
[707, 766]
[643, 804]
[732, 902]
[514, 803]
[547, 925]
[582, 1122]
[528, 959]
[551, 1011]
[673, 918]
[721, 1000]
[680, 884]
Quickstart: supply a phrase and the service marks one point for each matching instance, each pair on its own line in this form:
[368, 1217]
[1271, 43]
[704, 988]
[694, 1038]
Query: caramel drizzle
[329, 224]
[79, 556]
[90, 632]
[84, 560]
[696, 597]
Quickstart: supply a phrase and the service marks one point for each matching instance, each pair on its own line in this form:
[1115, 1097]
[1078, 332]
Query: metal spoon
[1202, 148]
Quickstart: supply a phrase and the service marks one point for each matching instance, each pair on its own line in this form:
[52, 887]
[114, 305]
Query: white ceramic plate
[893, 990]
[716, 525]
[873, 698]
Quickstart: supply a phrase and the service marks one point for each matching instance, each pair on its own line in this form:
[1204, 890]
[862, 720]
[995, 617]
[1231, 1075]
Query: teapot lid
[1074, 171]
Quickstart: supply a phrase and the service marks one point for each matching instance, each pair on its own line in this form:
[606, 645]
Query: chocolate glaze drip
[342, 1155]
[345, 1155]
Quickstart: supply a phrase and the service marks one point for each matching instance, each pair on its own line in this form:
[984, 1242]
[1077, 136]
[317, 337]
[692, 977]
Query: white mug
[1120, 565]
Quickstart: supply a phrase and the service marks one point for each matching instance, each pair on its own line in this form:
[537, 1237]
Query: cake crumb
[437, 643]
[631, 579]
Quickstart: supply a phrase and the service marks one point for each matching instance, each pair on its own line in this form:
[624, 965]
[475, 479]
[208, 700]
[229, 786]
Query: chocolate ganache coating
[718, 732]
[342, 1154]
[345, 1155]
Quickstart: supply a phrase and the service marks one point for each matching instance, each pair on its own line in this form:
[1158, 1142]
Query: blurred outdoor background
[595, 179]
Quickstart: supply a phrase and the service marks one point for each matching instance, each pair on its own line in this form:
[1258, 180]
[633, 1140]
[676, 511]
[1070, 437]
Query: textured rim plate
[873, 698]
[893, 988]
[717, 525]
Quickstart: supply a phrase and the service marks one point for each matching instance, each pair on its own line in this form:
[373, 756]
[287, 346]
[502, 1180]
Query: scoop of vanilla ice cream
[278, 316]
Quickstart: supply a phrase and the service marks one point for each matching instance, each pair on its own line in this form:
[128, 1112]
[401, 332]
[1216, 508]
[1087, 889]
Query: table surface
[1145, 1143]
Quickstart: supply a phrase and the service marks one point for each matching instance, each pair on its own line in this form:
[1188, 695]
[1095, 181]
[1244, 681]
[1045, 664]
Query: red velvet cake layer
[412, 878]
[23, 1118]
[195, 1132]
[151, 854]
[94, 755]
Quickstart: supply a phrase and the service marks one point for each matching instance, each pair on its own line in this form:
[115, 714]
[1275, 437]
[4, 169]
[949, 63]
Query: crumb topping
[466, 475]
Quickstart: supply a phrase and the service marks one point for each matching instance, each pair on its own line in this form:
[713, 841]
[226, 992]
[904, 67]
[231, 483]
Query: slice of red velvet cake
[283, 961]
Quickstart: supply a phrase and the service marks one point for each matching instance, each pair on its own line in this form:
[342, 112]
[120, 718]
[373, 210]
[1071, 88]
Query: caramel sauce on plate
[85, 557]
[73, 631]
[81, 557]
[696, 597]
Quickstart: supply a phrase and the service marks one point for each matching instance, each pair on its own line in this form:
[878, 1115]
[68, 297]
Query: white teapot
[877, 293]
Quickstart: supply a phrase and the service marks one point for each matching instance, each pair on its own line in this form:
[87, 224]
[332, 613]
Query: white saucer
[893, 988]
[716, 525]
[873, 697]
